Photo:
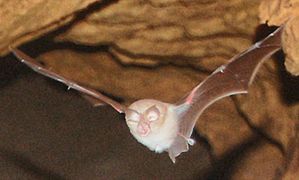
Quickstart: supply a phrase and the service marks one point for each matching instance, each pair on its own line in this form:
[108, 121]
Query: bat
[166, 127]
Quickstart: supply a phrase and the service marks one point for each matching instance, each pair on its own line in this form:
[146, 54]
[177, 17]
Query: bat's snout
[143, 128]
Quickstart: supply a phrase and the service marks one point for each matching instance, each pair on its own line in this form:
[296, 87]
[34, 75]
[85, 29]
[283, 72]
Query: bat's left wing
[92, 95]
[232, 78]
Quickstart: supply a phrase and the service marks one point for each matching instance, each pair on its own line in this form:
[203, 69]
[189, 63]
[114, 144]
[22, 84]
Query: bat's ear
[152, 113]
[132, 115]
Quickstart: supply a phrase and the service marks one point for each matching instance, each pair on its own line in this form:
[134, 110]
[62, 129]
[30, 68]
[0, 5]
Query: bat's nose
[143, 128]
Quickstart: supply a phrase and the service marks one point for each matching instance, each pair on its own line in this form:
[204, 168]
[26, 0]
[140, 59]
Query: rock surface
[23, 21]
[154, 32]
[277, 12]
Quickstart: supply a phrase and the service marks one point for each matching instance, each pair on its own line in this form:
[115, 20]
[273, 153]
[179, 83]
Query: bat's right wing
[91, 94]
[232, 78]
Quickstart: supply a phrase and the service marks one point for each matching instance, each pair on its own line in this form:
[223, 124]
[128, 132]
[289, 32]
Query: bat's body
[168, 127]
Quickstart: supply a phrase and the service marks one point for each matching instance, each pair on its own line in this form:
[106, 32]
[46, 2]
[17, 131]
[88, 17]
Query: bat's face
[145, 117]
[152, 123]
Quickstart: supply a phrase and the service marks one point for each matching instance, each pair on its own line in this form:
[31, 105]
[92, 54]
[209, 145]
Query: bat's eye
[132, 115]
[152, 114]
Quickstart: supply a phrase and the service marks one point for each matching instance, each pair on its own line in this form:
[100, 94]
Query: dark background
[47, 132]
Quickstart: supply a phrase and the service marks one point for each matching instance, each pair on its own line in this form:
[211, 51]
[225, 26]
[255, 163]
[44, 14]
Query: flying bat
[168, 127]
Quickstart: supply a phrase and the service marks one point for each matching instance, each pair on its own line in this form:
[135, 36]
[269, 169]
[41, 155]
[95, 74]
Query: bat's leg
[189, 140]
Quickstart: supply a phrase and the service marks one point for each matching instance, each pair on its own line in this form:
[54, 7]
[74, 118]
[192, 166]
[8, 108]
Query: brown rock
[267, 110]
[293, 166]
[291, 45]
[278, 12]
[263, 161]
[22, 21]
[152, 32]
[223, 126]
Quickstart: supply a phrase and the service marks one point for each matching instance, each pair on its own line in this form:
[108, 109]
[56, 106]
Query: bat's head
[145, 117]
